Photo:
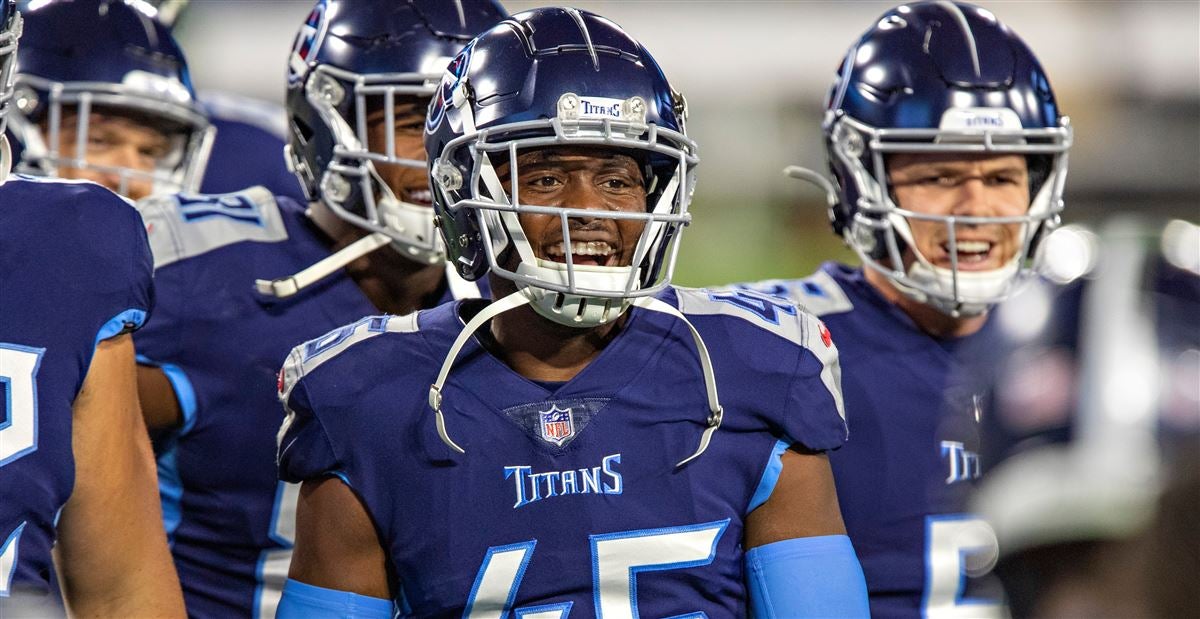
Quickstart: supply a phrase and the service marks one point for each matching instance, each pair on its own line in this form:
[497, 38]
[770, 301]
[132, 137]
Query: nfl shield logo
[557, 425]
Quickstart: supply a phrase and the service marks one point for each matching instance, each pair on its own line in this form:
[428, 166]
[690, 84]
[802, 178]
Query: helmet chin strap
[285, 287]
[574, 310]
[5, 158]
[977, 292]
[410, 221]
[519, 298]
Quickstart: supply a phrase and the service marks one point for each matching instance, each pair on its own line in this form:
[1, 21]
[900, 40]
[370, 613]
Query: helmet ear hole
[1039, 170]
[301, 130]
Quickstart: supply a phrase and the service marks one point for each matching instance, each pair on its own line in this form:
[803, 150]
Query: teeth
[422, 196]
[974, 247]
[581, 248]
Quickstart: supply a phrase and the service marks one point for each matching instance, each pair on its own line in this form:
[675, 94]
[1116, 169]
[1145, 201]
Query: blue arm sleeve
[806, 577]
[301, 601]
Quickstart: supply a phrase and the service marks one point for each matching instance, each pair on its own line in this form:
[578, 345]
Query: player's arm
[338, 565]
[160, 406]
[112, 554]
[799, 561]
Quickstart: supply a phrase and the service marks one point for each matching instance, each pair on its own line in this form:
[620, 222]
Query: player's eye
[153, 151]
[932, 180]
[544, 181]
[99, 141]
[616, 183]
[1003, 180]
[410, 125]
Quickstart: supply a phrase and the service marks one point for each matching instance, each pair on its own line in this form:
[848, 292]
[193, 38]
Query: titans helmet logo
[308, 43]
[455, 72]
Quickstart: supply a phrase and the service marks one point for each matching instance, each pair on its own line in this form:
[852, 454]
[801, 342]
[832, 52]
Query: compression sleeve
[806, 577]
[301, 601]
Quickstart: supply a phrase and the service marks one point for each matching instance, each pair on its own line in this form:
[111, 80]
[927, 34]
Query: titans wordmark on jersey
[913, 416]
[568, 500]
[220, 343]
[74, 270]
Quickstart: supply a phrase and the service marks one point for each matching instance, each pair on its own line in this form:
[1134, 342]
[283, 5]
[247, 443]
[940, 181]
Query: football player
[76, 474]
[242, 277]
[949, 154]
[103, 94]
[562, 450]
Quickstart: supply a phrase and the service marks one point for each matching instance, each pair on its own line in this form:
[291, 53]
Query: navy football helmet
[10, 31]
[352, 58]
[110, 57]
[940, 77]
[557, 76]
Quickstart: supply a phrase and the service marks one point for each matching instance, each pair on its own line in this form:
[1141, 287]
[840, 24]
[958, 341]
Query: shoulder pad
[310, 355]
[777, 315]
[819, 293]
[772, 313]
[182, 226]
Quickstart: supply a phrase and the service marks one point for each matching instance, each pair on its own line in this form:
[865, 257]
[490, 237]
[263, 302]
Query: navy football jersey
[74, 270]
[568, 500]
[221, 344]
[913, 409]
[248, 149]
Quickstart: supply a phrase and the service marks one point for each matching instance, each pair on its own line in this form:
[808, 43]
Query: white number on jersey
[273, 564]
[616, 560]
[18, 433]
[957, 546]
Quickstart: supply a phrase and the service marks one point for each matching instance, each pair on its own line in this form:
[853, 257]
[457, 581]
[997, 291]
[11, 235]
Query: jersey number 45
[617, 558]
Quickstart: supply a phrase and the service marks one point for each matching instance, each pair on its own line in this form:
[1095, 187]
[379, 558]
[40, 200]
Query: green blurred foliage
[729, 242]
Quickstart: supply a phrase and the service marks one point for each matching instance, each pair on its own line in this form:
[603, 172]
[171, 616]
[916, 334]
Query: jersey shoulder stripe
[777, 315]
[306, 357]
[182, 226]
[819, 293]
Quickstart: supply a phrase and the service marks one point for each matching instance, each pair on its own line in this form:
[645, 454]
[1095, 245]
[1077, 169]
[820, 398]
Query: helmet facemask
[351, 184]
[45, 110]
[8, 62]
[578, 295]
[881, 231]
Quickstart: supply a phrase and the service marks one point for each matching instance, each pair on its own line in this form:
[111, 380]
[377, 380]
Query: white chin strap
[574, 310]
[285, 287]
[977, 290]
[517, 299]
[414, 224]
[5, 158]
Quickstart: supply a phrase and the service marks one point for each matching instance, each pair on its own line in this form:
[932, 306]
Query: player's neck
[392, 283]
[928, 319]
[396, 285]
[539, 349]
